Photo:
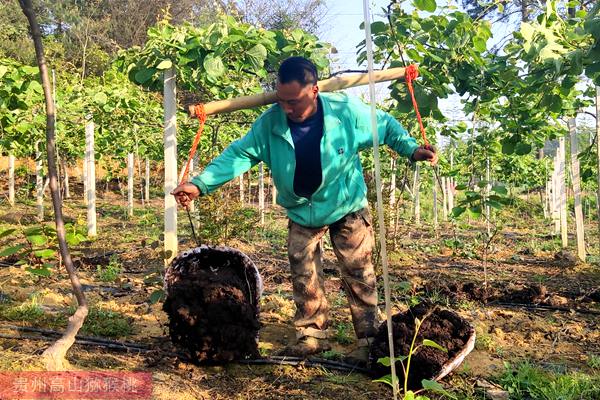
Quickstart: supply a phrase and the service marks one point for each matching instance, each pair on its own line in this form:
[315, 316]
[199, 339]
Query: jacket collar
[330, 120]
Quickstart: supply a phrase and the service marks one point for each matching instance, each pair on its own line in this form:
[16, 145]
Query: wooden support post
[11, 179]
[147, 186]
[488, 189]
[90, 175]
[563, 193]
[241, 187]
[192, 206]
[450, 193]
[39, 182]
[576, 183]
[598, 156]
[66, 179]
[261, 192]
[435, 208]
[130, 166]
[170, 162]
[556, 194]
[393, 184]
[416, 196]
[444, 198]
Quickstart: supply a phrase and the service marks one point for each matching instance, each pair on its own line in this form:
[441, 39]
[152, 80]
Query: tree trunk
[241, 182]
[576, 183]
[444, 198]
[11, 179]
[54, 356]
[170, 157]
[90, 175]
[393, 184]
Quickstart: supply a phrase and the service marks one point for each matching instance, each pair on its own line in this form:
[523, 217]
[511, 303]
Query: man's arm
[392, 133]
[236, 159]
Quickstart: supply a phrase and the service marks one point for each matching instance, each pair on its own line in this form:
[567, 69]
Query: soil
[212, 304]
[444, 327]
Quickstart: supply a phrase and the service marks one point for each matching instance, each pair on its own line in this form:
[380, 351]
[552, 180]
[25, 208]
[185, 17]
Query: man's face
[297, 101]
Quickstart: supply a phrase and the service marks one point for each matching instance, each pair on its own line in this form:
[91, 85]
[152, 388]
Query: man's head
[297, 88]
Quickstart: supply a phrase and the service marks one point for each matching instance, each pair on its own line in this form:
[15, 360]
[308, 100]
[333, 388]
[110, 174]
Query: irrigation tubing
[311, 362]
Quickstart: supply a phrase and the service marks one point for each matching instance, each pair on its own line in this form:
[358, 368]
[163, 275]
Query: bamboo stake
[576, 183]
[130, 167]
[90, 178]
[563, 193]
[11, 179]
[261, 192]
[327, 85]
[170, 157]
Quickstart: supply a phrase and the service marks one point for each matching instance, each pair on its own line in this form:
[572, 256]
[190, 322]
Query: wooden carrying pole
[327, 85]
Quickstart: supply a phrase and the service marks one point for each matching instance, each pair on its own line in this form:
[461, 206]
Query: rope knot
[411, 73]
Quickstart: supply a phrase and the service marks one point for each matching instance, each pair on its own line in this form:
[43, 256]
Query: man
[311, 141]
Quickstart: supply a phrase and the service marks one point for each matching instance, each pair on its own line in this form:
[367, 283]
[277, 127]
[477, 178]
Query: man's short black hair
[297, 69]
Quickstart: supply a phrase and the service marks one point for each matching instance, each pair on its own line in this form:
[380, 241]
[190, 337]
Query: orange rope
[201, 114]
[411, 74]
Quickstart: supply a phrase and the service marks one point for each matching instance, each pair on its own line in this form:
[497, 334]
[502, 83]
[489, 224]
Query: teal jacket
[346, 131]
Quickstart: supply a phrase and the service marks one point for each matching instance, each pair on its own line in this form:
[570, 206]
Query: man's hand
[185, 194]
[425, 153]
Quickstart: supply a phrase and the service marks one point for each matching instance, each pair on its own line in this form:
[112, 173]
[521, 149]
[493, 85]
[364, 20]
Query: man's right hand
[185, 193]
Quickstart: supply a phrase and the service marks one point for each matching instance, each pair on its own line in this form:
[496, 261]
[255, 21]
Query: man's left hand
[425, 153]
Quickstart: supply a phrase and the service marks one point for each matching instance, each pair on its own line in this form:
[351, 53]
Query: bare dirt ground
[530, 302]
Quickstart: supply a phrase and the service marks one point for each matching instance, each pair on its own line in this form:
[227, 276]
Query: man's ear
[315, 89]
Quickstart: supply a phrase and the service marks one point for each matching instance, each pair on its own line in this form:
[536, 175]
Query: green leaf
[37, 240]
[387, 379]
[479, 44]
[508, 147]
[378, 27]
[214, 66]
[39, 271]
[592, 69]
[100, 98]
[527, 31]
[500, 190]
[45, 253]
[436, 387]
[144, 75]
[431, 343]
[461, 187]
[522, 148]
[426, 5]
[7, 232]
[457, 211]
[494, 204]
[475, 211]
[385, 361]
[257, 55]
[164, 64]
[156, 296]
[3, 70]
[73, 239]
[9, 251]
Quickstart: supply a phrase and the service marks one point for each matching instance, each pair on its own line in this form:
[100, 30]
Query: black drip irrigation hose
[128, 347]
[544, 307]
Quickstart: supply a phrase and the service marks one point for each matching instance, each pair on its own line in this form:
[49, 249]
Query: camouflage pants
[352, 239]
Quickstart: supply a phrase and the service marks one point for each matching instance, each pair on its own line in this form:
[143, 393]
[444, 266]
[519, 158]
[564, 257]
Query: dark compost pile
[212, 296]
[444, 327]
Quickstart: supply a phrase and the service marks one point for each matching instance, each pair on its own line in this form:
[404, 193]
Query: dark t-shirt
[307, 143]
